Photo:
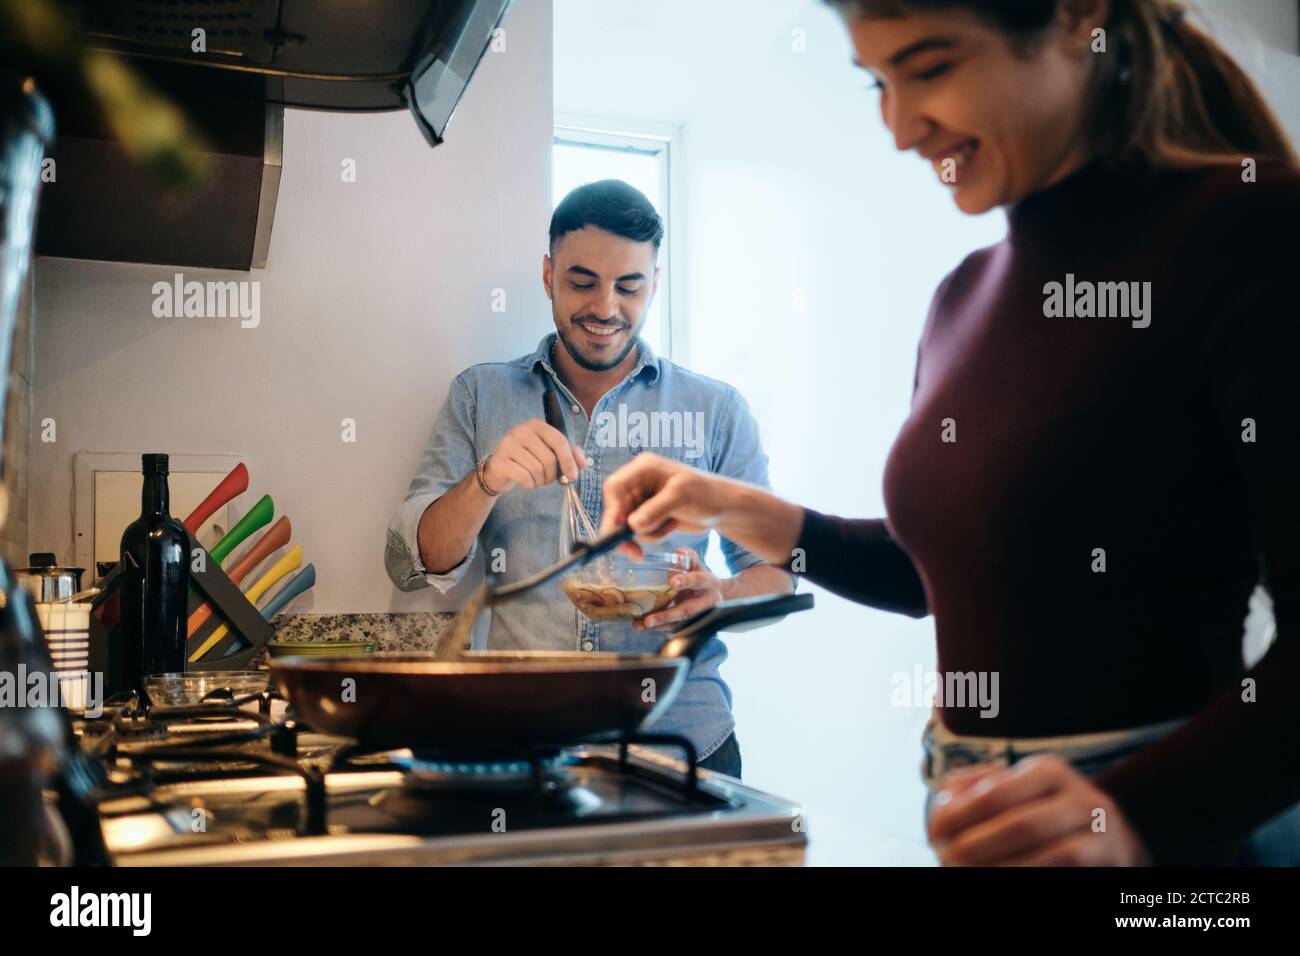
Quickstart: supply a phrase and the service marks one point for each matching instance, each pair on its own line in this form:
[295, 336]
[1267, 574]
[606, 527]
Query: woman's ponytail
[1176, 97]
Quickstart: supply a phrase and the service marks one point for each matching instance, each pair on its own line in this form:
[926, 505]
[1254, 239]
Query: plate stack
[321, 648]
[67, 635]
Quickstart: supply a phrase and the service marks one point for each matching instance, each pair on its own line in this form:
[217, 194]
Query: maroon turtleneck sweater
[1074, 434]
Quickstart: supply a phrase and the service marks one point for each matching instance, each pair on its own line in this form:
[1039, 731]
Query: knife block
[247, 628]
[244, 621]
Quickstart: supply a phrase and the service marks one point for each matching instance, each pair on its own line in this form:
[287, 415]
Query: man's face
[600, 286]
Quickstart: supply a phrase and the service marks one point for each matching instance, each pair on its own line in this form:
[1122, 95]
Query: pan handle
[687, 641]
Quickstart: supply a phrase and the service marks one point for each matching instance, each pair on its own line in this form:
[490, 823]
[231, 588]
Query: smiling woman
[1085, 507]
[1157, 89]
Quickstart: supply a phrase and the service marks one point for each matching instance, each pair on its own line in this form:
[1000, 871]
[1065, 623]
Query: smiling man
[488, 478]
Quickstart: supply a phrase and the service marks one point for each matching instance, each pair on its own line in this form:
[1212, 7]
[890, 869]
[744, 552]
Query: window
[584, 153]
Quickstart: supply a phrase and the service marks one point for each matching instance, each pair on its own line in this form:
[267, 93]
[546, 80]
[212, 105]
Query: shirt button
[587, 645]
[575, 408]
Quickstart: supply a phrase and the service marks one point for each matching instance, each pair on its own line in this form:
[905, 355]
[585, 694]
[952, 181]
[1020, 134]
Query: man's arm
[449, 456]
[450, 525]
[759, 579]
[433, 533]
[739, 455]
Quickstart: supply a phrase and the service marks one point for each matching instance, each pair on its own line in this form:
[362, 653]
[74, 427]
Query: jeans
[726, 759]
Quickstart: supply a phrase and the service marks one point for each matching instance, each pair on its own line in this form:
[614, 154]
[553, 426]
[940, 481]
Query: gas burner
[138, 727]
[434, 774]
[537, 785]
[430, 803]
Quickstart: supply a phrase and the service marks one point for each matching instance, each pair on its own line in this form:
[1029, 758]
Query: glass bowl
[185, 690]
[617, 588]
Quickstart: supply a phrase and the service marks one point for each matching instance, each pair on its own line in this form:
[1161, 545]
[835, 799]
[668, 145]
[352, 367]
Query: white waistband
[941, 744]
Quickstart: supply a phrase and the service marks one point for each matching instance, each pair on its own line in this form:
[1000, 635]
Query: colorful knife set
[227, 628]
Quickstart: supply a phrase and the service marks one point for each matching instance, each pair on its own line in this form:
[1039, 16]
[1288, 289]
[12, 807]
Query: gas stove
[237, 783]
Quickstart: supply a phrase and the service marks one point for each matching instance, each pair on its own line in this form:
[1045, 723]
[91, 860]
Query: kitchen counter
[412, 631]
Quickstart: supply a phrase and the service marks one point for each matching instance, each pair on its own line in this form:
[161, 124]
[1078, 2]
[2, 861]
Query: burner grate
[148, 747]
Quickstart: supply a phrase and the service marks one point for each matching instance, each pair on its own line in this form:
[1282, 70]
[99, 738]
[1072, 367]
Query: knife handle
[235, 483]
[274, 539]
[258, 516]
[302, 581]
[291, 561]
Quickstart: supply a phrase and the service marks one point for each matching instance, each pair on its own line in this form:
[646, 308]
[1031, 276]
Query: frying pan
[503, 701]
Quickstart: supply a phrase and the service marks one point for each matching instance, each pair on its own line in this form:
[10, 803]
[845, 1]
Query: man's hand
[698, 590]
[1039, 812]
[532, 455]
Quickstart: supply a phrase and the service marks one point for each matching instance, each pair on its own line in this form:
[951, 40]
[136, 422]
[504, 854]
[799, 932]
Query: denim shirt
[715, 432]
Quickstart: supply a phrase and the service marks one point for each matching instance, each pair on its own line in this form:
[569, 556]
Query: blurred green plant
[38, 35]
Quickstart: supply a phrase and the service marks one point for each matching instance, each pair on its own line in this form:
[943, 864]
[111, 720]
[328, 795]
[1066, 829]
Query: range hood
[260, 56]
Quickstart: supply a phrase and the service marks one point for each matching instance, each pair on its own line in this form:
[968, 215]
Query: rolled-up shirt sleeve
[738, 454]
[449, 456]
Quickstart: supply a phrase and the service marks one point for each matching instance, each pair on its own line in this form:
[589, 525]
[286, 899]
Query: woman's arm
[859, 559]
[855, 559]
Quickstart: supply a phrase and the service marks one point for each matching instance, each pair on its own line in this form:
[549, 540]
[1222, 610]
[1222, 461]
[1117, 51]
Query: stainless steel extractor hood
[255, 58]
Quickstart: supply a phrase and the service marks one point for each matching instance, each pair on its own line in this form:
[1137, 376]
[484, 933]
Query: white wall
[1264, 36]
[375, 294]
[809, 254]
[1270, 23]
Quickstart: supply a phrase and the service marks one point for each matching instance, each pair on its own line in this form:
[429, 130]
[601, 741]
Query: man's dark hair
[612, 205]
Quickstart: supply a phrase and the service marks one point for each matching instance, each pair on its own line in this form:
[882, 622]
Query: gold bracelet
[482, 483]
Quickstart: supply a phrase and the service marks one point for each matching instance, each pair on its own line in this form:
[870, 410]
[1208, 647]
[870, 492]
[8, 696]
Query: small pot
[48, 581]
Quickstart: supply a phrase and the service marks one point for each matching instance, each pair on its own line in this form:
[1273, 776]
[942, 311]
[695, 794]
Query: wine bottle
[155, 582]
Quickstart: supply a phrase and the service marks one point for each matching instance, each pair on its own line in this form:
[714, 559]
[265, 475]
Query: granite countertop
[412, 631]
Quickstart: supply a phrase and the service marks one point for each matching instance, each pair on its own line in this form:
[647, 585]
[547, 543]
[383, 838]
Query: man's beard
[592, 365]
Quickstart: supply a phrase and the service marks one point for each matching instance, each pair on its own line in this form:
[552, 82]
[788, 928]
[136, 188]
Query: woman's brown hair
[1171, 97]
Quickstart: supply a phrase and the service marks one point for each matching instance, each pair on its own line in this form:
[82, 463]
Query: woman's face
[995, 122]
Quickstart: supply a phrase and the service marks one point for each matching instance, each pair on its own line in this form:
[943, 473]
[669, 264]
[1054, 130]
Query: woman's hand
[698, 590]
[656, 496]
[1039, 812]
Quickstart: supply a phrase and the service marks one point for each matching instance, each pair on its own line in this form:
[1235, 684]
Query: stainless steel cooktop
[320, 802]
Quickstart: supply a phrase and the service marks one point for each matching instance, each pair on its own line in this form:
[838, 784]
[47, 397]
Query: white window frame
[665, 142]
